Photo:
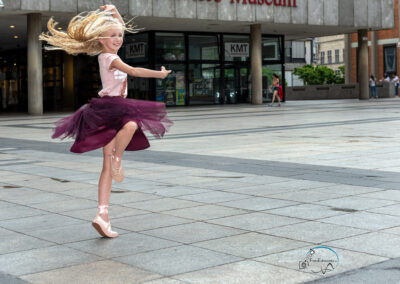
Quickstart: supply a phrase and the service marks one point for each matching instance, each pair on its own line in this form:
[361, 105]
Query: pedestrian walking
[111, 122]
[276, 89]
[372, 84]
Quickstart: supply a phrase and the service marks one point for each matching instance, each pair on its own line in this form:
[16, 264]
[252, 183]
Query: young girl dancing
[112, 122]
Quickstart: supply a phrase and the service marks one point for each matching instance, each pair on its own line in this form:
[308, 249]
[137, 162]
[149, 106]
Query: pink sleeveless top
[113, 80]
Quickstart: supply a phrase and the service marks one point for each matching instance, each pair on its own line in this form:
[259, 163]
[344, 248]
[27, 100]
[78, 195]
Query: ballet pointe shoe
[117, 173]
[101, 226]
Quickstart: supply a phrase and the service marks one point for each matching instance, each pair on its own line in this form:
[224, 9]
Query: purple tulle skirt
[95, 124]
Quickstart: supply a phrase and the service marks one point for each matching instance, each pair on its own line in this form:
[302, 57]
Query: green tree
[319, 75]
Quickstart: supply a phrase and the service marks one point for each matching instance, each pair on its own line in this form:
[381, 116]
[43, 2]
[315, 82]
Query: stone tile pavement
[233, 194]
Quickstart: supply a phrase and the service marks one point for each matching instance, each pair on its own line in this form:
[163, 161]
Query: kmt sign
[283, 3]
[233, 49]
[136, 50]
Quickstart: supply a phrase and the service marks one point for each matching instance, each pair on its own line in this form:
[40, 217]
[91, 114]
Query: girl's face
[112, 39]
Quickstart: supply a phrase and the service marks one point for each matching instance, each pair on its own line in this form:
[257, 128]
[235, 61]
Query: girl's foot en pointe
[101, 226]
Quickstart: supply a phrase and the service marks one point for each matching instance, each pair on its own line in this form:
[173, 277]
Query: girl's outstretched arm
[139, 72]
[115, 12]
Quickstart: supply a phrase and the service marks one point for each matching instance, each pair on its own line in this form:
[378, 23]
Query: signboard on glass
[136, 50]
[237, 49]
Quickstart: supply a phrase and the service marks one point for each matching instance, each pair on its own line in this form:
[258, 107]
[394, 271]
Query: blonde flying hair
[83, 33]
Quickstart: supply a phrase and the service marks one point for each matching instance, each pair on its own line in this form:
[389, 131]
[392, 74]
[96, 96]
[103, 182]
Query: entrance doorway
[13, 81]
[236, 84]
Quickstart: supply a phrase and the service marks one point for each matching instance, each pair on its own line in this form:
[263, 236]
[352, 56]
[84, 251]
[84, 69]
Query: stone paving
[233, 194]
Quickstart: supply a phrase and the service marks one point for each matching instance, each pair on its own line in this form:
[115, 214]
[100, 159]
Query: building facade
[383, 49]
[220, 51]
[330, 51]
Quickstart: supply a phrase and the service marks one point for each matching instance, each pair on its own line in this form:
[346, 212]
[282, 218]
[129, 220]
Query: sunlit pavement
[232, 194]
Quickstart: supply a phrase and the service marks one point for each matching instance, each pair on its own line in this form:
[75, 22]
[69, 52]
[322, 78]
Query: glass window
[172, 89]
[204, 83]
[271, 49]
[86, 78]
[139, 88]
[203, 47]
[170, 47]
[237, 48]
[299, 49]
[136, 48]
[13, 80]
[337, 59]
[329, 56]
[288, 50]
[390, 59]
[53, 80]
[322, 57]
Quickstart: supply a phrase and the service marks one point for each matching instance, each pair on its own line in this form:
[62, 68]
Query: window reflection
[203, 47]
[170, 47]
[204, 83]
[271, 49]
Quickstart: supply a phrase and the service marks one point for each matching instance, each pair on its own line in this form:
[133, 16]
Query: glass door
[204, 83]
[236, 84]
[244, 88]
[13, 81]
[231, 85]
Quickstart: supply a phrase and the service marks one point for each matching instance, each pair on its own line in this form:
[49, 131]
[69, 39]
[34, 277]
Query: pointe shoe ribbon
[101, 226]
[117, 173]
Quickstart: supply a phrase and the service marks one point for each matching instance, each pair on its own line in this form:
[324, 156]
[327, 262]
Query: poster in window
[170, 90]
[180, 80]
[180, 97]
[180, 88]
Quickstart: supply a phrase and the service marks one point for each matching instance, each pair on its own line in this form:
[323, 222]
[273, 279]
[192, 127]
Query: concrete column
[362, 64]
[374, 54]
[35, 73]
[256, 65]
[347, 58]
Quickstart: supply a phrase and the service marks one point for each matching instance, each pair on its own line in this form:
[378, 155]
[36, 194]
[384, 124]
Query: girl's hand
[164, 72]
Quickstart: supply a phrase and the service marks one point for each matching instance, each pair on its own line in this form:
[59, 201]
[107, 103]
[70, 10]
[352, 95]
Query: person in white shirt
[386, 78]
[395, 80]
[372, 85]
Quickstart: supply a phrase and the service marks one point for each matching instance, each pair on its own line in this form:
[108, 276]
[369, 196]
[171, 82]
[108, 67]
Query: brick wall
[382, 35]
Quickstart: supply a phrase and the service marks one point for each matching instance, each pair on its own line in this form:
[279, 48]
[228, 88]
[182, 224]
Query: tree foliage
[319, 75]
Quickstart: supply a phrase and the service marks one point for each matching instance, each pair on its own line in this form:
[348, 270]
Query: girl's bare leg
[105, 177]
[273, 97]
[122, 140]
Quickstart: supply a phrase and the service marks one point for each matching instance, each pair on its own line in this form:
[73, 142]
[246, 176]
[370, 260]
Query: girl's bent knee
[131, 126]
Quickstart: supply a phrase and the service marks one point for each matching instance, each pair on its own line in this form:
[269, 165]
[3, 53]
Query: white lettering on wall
[240, 49]
[136, 50]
